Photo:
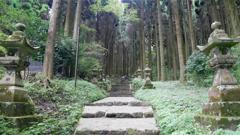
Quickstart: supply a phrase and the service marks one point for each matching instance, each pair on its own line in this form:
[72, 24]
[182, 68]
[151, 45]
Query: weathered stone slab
[134, 103]
[117, 111]
[115, 101]
[221, 108]
[224, 77]
[224, 93]
[16, 108]
[216, 122]
[115, 126]
[13, 94]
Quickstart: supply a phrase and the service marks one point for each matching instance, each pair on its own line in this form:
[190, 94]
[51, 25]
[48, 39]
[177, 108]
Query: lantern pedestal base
[148, 86]
[217, 122]
[25, 121]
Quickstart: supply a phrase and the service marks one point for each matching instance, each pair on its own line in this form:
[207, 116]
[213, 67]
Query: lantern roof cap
[19, 39]
[147, 68]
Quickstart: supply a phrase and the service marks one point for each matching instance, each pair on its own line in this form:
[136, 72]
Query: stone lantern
[148, 84]
[100, 74]
[139, 73]
[13, 96]
[223, 108]
[95, 75]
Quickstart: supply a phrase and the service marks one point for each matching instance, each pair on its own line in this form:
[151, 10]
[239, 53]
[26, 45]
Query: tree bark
[50, 44]
[172, 41]
[222, 15]
[68, 18]
[157, 48]
[233, 17]
[192, 33]
[149, 49]
[185, 32]
[179, 40]
[78, 18]
[163, 68]
[142, 40]
[214, 11]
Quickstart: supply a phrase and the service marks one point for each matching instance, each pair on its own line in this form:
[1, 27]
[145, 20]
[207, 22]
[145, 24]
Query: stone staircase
[121, 90]
[118, 116]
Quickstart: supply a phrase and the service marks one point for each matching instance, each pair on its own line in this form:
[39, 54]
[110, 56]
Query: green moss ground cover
[60, 104]
[175, 106]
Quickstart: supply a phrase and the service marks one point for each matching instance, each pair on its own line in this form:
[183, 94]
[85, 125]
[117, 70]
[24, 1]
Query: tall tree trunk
[214, 11]
[118, 59]
[222, 15]
[68, 18]
[50, 44]
[136, 46]
[233, 17]
[185, 33]
[142, 40]
[157, 48]
[192, 33]
[124, 59]
[163, 68]
[132, 55]
[149, 49]
[172, 41]
[78, 18]
[179, 40]
[60, 17]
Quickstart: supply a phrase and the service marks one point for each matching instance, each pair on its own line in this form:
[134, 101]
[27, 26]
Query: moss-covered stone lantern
[223, 109]
[13, 96]
[95, 75]
[148, 84]
[139, 71]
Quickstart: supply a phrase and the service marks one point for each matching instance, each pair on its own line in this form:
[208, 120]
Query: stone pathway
[119, 115]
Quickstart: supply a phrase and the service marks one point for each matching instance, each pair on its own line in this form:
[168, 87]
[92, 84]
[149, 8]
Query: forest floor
[175, 106]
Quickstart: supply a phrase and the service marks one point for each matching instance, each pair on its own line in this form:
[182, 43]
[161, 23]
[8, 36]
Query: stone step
[121, 95]
[115, 126]
[119, 101]
[117, 112]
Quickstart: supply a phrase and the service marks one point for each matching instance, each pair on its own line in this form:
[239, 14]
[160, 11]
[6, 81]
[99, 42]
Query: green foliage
[137, 83]
[199, 72]
[86, 28]
[27, 5]
[196, 63]
[85, 66]
[67, 101]
[176, 105]
[3, 36]
[235, 69]
[2, 71]
[6, 127]
[36, 28]
[131, 14]
[44, 8]
[114, 6]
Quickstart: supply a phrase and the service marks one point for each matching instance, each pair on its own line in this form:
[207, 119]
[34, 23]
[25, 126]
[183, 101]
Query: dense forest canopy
[119, 36]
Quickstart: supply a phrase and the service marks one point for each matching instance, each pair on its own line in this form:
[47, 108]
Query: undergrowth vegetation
[60, 104]
[137, 84]
[175, 106]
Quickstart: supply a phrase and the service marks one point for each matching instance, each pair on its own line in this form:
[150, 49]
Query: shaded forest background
[120, 36]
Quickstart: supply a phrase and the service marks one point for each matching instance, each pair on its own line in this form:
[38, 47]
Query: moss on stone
[131, 131]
